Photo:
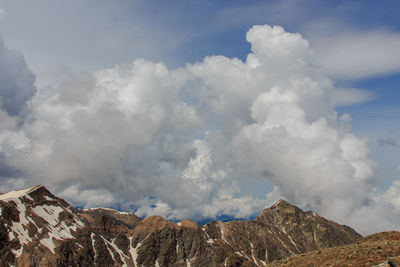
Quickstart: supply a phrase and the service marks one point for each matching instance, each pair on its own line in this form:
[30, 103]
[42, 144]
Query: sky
[205, 109]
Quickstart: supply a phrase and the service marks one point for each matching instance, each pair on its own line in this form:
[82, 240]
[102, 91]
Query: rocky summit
[40, 229]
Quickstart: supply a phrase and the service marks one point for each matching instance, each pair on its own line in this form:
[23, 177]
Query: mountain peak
[15, 194]
[280, 207]
[282, 203]
[189, 224]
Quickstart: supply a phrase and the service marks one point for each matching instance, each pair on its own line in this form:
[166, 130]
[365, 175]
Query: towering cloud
[16, 88]
[178, 142]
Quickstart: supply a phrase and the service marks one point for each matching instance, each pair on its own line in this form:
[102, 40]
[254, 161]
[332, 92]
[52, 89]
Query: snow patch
[17, 252]
[252, 255]
[18, 230]
[112, 210]
[125, 212]
[56, 229]
[15, 194]
[241, 254]
[118, 250]
[100, 208]
[133, 250]
[48, 213]
[48, 243]
[22, 210]
[283, 243]
[223, 233]
[315, 238]
[11, 235]
[94, 248]
[291, 240]
[48, 198]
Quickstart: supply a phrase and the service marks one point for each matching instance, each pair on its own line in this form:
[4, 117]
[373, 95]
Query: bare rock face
[102, 220]
[39, 229]
[305, 230]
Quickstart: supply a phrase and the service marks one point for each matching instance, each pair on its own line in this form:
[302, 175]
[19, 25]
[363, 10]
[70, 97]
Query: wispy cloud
[354, 55]
[351, 96]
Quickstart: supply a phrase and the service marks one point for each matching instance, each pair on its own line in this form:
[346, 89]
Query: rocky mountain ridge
[378, 250]
[40, 229]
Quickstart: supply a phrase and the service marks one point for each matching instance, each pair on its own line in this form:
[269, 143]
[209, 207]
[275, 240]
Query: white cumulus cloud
[177, 142]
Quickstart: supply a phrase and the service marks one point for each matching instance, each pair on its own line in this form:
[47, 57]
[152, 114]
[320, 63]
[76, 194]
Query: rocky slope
[382, 249]
[40, 229]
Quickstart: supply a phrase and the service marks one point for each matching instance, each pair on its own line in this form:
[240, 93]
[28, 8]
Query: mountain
[381, 249]
[40, 229]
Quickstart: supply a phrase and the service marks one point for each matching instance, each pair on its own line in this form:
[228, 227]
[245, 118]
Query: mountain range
[38, 228]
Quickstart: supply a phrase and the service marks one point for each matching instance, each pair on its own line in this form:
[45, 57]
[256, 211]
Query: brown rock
[106, 237]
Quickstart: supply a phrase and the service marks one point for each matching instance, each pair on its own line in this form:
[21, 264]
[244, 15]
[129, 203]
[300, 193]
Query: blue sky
[81, 54]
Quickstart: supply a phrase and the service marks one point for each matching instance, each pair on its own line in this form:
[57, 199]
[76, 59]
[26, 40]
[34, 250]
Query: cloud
[2, 14]
[9, 184]
[358, 54]
[389, 141]
[16, 81]
[382, 211]
[110, 34]
[350, 96]
[90, 197]
[392, 195]
[16, 89]
[178, 142]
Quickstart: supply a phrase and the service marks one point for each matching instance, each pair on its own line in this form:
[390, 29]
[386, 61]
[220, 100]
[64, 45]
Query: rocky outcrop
[39, 229]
